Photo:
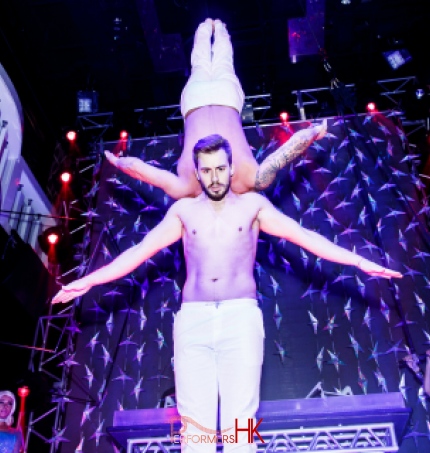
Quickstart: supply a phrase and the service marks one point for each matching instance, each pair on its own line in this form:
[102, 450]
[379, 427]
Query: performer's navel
[194, 231]
[240, 228]
[214, 280]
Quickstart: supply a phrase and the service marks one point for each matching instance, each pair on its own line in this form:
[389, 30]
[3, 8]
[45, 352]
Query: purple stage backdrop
[327, 326]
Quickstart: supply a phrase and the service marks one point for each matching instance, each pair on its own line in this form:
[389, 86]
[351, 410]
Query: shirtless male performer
[218, 332]
[211, 103]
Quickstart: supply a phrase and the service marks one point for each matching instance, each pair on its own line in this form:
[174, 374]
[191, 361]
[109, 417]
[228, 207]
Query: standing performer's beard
[216, 196]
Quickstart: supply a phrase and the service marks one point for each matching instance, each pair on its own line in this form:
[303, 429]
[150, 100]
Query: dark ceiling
[135, 54]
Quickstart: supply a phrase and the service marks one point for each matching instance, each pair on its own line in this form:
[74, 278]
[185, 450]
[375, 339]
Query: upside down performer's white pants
[213, 80]
[218, 354]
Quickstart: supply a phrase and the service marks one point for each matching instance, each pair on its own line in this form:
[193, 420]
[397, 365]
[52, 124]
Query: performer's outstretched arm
[277, 224]
[296, 145]
[175, 186]
[168, 231]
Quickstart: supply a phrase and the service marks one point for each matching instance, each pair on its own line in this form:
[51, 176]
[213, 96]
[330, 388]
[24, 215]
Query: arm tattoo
[285, 154]
[266, 173]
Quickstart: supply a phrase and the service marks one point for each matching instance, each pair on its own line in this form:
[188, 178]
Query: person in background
[10, 438]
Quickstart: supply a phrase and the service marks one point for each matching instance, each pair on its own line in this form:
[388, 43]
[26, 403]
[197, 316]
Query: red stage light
[55, 242]
[283, 116]
[371, 107]
[71, 136]
[65, 176]
[123, 135]
[23, 391]
[52, 238]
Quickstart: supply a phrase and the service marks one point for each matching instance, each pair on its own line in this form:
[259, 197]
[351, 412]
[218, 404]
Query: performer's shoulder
[254, 197]
[185, 203]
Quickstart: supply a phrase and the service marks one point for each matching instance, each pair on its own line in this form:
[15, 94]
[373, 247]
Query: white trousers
[218, 354]
[213, 80]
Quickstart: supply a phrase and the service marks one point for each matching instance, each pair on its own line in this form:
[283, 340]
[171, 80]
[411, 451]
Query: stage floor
[383, 416]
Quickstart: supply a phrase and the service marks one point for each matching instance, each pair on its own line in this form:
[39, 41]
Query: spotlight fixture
[71, 136]
[24, 391]
[55, 243]
[125, 140]
[87, 101]
[371, 107]
[419, 93]
[66, 176]
[397, 58]
[283, 116]
[345, 2]
[52, 238]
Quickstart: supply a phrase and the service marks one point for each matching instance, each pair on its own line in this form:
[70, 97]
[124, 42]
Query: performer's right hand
[130, 165]
[71, 291]
[114, 160]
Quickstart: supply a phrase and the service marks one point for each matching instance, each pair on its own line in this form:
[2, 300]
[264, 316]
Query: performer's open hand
[71, 291]
[120, 162]
[375, 270]
[129, 165]
[112, 158]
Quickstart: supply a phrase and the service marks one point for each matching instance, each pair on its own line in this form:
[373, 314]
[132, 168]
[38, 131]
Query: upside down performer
[211, 103]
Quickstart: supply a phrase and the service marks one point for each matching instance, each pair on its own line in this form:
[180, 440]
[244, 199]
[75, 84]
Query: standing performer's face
[214, 173]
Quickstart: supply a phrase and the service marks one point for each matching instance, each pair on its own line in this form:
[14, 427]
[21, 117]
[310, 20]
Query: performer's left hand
[71, 291]
[375, 270]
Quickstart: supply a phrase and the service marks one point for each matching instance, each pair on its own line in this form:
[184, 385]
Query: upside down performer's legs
[218, 351]
[213, 80]
[201, 54]
[213, 106]
[222, 56]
